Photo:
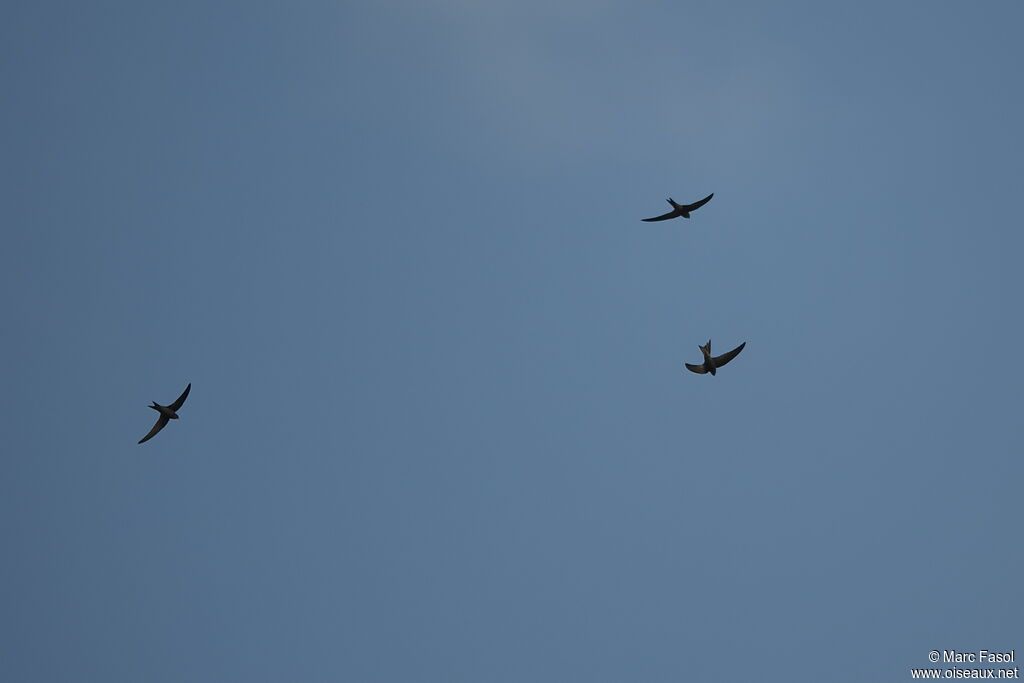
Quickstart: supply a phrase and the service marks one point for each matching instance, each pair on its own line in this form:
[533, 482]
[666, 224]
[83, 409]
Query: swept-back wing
[726, 357]
[161, 422]
[670, 214]
[181, 399]
[697, 205]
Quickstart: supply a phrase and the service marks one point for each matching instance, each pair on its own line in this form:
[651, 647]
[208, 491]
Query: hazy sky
[439, 427]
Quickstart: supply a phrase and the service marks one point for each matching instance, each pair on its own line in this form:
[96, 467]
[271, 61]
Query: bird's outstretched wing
[181, 399]
[697, 205]
[670, 214]
[726, 357]
[161, 422]
[699, 369]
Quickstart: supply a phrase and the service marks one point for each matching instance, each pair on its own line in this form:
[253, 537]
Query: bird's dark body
[165, 411]
[680, 208]
[709, 362]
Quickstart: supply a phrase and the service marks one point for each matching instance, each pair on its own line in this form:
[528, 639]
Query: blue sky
[440, 428]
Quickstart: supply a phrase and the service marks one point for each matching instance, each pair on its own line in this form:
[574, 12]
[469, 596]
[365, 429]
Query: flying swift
[680, 209]
[167, 413]
[712, 363]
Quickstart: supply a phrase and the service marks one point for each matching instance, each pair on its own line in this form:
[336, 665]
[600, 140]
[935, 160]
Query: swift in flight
[712, 363]
[167, 413]
[680, 209]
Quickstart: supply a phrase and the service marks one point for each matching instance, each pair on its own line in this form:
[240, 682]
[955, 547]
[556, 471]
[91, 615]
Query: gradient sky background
[440, 428]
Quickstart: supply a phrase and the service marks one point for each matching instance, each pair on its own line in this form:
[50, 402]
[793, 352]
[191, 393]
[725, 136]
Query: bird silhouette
[167, 413]
[680, 209]
[711, 364]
